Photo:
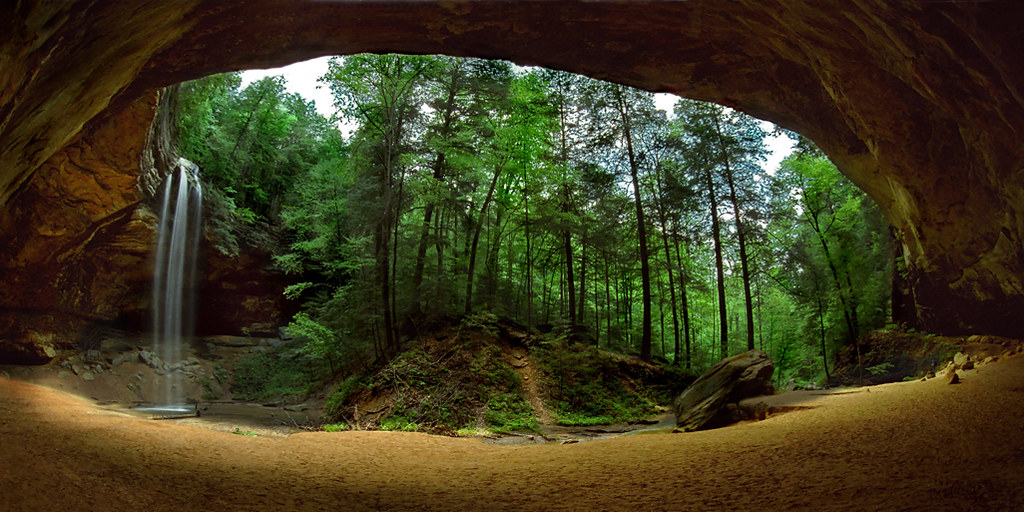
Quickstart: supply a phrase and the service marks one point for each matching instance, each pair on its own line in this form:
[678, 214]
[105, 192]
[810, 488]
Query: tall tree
[381, 92]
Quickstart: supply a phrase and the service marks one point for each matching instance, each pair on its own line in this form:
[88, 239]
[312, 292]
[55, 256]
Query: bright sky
[302, 78]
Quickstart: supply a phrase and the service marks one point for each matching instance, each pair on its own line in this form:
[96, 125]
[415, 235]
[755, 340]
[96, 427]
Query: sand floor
[908, 446]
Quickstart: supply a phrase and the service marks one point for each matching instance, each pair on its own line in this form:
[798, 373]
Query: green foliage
[879, 369]
[247, 433]
[484, 322]
[250, 143]
[279, 374]
[471, 186]
[208, 392]
[336, 401]
[585, 388]
[221, 374]
[320, 341]
[510, 412]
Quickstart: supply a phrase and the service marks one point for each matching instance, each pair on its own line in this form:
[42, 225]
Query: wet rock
[705, 403]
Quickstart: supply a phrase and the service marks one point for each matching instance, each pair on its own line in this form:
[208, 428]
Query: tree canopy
[550, 199]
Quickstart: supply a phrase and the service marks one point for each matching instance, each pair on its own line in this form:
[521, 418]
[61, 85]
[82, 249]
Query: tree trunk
[685, 305]
[716, 235]
[741, 234]
[567, 244]
[529, 259]
[476, 238]
[581, 298]
[645, 268]
[824, 349]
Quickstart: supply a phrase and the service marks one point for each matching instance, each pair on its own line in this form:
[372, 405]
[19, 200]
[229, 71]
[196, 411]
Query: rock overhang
[920, 104]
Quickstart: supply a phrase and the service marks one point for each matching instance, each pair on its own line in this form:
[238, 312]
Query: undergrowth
[585, 387]
[280, 374]
[457, 383]
[461, 381]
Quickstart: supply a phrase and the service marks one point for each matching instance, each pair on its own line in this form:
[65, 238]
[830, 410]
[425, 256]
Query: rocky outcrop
[242, 292]
[78, 241]
[705, 403]
[920, 103]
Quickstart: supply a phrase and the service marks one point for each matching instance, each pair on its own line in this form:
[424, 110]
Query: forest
[552, 200]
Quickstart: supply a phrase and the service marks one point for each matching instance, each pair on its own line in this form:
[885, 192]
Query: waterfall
[174, 276]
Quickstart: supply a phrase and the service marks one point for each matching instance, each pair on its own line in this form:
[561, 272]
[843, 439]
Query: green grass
[400, 424]
[248, 433]
[577, 419]
[335, 427]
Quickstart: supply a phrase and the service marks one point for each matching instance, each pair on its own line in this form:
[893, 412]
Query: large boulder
[705, 403]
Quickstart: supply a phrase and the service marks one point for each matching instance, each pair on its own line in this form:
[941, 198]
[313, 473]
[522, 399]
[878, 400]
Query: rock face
[704, 403]
[78, 238]
[919, 103]
[242, 293]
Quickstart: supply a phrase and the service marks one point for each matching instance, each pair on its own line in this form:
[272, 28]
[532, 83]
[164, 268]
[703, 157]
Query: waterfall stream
[174, 277]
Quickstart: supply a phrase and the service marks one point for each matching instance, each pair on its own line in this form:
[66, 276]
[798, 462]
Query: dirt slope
[905, 446]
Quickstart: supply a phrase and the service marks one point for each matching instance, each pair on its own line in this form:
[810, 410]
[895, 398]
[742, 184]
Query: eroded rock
[705, 403]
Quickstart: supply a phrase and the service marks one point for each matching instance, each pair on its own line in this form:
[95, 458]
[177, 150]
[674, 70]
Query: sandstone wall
[78, 240]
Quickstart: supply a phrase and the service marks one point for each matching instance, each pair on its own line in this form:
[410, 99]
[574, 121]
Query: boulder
[960, 358]
[705, 403]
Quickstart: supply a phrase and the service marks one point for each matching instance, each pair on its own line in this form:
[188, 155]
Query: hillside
[483, 376]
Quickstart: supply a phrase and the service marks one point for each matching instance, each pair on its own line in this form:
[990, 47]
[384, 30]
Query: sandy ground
[908, 446]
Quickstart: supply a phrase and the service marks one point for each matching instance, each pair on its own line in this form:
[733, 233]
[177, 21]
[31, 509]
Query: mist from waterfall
[174, 276]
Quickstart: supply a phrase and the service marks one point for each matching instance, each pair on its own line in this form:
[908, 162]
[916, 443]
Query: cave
[919, 104]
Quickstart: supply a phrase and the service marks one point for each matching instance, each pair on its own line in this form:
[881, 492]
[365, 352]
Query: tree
[381, 92]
